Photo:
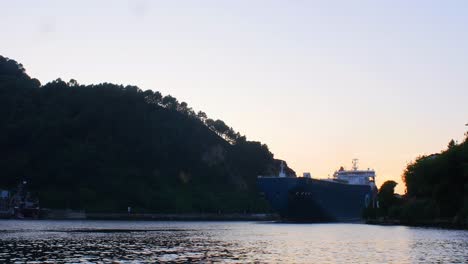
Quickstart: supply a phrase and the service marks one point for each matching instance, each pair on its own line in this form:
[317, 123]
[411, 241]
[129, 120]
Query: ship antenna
[355, 162]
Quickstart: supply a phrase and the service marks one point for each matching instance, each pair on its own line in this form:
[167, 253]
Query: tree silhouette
[386, 195]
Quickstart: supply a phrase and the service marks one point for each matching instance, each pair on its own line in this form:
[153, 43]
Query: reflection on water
[150, 242]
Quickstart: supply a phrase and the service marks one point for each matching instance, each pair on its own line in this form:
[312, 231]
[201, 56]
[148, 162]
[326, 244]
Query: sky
[319, 82]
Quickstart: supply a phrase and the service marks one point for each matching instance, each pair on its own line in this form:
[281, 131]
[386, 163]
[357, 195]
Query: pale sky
[320, 82]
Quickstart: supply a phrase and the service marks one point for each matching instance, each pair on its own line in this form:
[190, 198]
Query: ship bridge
[355, 176]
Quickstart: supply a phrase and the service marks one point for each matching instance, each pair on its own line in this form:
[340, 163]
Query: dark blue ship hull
[311, 200]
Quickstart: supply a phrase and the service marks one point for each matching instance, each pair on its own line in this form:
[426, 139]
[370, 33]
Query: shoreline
[181, 217]
[48, 214]
[435, 223]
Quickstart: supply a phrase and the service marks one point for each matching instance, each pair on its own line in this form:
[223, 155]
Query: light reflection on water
[150, 242]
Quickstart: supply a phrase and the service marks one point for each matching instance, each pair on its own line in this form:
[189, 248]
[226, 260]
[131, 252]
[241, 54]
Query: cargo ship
[341, 198]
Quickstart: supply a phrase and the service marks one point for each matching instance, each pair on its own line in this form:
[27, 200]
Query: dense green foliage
[386, 195]
[437, 185]
[105, 147]
[436, 190]
[387, 200]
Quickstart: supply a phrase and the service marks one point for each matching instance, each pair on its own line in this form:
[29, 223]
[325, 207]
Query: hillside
[105, 147]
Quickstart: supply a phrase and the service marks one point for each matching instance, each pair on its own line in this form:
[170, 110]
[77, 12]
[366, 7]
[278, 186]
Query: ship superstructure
[355, 176]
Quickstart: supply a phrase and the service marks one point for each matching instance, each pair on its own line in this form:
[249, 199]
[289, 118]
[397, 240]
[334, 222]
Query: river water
[227, 242]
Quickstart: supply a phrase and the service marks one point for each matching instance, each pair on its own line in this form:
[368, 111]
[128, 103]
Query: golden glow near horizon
[319, 82]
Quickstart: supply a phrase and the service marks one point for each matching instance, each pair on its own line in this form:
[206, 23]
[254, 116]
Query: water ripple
[227, 242]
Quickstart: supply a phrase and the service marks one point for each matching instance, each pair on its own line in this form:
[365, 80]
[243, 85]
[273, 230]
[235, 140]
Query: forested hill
[105, 147]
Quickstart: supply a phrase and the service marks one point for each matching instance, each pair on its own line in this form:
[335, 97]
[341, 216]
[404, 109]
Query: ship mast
[355, 166]
[282, 174]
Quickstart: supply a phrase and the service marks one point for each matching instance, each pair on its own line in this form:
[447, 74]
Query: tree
[183, 108]
[202, 116]
[220, 127]
[73, 83]
[451, 144]
[11, 67]
[170, 102]
[210, 123]
[386, 195]
[152, 97]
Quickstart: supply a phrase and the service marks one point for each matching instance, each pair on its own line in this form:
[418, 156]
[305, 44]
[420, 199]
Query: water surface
[265, 242]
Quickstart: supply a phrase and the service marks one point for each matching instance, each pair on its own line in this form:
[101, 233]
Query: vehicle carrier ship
[305, 199]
